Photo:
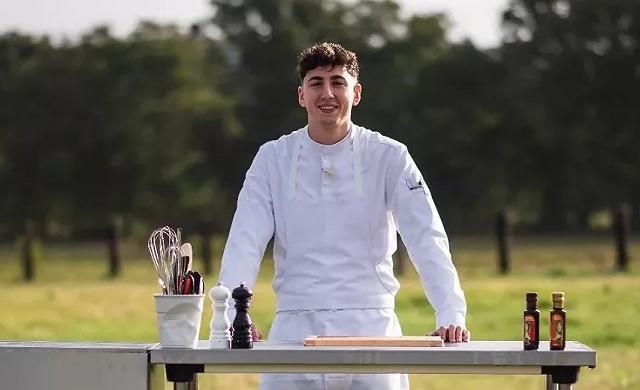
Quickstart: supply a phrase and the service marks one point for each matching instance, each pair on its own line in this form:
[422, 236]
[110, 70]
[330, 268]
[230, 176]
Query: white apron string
[357, 174]
[293, 170]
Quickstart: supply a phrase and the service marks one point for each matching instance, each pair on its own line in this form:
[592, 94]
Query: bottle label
[557, 335]
[529, 329]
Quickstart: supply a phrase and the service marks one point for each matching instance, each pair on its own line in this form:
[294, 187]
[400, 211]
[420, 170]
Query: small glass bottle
[531, 331]
[557, 323]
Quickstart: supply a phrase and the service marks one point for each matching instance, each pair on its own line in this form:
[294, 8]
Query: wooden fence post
[621, 229]
[28, 266]
[114, 232]
[503, 239]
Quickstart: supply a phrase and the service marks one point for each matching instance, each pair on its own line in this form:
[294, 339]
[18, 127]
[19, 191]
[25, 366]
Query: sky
[478, 20]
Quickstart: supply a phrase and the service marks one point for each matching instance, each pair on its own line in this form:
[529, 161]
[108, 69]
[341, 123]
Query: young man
[333, 195]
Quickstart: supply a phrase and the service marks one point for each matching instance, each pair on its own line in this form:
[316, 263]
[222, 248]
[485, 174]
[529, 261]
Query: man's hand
[452, 334]
[255, 333]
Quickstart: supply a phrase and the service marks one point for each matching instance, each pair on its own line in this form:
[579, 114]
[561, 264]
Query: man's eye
[339, 83]
[315, 84]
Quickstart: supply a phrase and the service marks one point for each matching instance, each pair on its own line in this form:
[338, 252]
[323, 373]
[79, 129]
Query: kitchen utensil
[198, 283]
[187, 250]
[159, 241]
[173, 256]
[186, 284]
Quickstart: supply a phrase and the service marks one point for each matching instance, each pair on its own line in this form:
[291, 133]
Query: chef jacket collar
[339, 146]
[304, 138]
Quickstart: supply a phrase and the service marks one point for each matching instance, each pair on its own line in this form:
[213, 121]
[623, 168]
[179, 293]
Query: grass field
[71, 299]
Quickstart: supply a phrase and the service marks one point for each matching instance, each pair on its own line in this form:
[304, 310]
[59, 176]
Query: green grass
[71, 299]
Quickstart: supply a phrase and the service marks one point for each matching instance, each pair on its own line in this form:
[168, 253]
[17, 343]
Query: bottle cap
[558, 300]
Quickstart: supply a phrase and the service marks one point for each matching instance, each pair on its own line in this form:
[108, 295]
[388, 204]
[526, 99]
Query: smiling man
[333, 195]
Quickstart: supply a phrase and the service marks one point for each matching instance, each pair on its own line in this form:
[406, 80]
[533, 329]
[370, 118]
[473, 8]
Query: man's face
[328, 94]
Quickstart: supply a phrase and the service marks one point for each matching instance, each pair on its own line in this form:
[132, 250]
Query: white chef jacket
[333, 211]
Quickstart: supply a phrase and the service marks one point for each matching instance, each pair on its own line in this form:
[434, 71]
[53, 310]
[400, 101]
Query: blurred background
[117, 117]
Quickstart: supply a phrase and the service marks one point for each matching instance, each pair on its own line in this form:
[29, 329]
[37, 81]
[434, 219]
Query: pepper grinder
[219, 336]
[242, 323]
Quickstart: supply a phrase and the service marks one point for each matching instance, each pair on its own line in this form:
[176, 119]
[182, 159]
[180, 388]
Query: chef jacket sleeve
[421, 229]
[251, 229]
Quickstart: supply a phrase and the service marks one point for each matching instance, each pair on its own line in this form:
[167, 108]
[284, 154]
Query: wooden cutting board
[373, 341]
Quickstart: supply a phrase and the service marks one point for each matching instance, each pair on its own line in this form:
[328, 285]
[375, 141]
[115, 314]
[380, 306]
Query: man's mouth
[328, 108]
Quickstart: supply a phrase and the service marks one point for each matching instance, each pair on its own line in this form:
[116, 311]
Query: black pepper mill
[242, 323]
[531, 334]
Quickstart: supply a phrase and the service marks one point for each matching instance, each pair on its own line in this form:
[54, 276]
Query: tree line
[159, 127]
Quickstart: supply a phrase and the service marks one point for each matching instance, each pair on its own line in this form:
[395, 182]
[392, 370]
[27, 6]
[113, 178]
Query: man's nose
[327, 92]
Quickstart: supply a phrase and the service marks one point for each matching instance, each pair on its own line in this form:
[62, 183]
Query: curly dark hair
[327, 54]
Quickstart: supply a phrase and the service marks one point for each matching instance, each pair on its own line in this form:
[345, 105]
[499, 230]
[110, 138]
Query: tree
[581, 57]
[108, 127]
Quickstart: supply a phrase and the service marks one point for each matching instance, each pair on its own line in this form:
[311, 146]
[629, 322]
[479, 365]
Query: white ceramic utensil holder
[179, 319]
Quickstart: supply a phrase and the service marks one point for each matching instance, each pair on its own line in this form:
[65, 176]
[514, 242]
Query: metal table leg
[561, 377]
[184, 376]
[191, 385]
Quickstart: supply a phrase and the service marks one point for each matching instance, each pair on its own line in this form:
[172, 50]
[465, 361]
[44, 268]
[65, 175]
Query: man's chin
[331, 122]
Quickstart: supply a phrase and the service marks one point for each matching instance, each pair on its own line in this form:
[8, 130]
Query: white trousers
[294, 326]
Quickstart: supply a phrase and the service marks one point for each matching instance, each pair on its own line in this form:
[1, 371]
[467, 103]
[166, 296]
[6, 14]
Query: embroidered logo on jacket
[413, 186]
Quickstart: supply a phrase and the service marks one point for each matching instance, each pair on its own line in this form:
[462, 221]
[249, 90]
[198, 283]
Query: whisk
[173, 257]
[164, 248]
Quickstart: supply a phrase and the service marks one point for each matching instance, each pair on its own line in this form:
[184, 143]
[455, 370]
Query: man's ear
[357, 93]
[300, 96]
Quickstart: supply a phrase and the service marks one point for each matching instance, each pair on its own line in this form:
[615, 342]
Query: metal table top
[77, 346]
[480, 353]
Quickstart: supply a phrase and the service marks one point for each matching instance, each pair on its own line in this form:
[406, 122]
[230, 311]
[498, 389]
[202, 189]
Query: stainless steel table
[476, 357]
[28, 365]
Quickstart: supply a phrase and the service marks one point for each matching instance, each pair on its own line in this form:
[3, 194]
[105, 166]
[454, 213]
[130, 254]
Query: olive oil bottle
[557, 323]
[531, 330]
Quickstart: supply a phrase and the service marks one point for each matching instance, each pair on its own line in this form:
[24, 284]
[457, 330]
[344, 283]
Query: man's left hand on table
[452, 334]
